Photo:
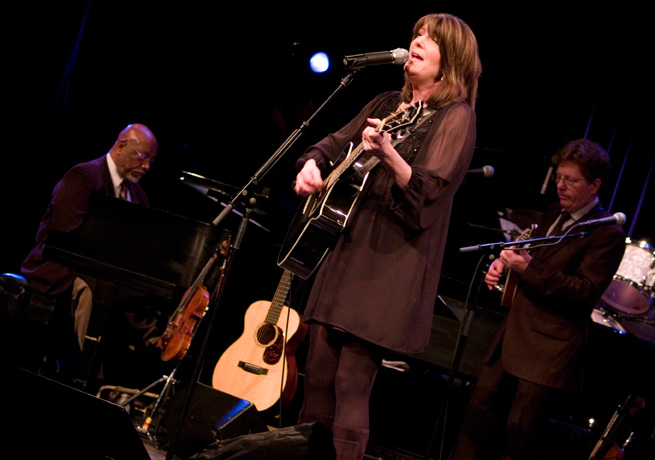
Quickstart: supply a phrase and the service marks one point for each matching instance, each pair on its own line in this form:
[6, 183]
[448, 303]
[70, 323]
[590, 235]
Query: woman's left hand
[376, 142]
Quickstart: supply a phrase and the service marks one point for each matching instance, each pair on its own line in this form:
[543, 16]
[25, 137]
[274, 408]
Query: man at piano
[117, 173]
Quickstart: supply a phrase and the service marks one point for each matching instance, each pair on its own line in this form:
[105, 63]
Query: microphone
[359, 61]
[616, 219]
[486, 171]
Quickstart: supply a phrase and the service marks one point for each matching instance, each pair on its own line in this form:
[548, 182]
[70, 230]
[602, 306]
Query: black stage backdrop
[222, 87]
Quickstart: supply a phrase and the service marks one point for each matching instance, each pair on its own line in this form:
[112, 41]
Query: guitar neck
[391, 124]
[279, 298]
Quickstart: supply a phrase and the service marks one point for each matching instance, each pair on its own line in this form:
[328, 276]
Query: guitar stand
[160, 398]
[163, 395]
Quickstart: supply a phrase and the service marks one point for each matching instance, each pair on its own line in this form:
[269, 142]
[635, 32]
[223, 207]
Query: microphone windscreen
[620, 218]
[400, 55]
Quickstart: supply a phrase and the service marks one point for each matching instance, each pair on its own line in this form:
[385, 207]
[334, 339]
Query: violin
[183, 323]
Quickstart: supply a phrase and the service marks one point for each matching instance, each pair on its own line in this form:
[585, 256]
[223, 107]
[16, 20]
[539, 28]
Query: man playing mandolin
[538, 352]
[376, 289]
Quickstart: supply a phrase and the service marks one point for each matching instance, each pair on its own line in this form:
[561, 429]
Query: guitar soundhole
[273, 352]
[266, 334]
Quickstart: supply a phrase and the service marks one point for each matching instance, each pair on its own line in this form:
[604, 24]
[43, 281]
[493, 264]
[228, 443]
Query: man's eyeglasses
[567, 180]
[143, 158]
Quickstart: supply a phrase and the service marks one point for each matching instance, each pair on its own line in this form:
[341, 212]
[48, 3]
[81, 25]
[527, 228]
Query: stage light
[319, 62]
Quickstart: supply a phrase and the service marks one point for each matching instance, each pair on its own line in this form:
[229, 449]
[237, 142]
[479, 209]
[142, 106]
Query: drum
[631, 288]
[602, 317]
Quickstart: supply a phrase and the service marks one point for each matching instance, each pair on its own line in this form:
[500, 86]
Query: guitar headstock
[525, 234]
[402, 119]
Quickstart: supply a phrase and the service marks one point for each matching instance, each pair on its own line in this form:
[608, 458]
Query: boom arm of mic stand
[553, 239]
[279, 153]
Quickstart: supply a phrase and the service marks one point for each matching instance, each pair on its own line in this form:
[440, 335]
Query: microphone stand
[467, 320]
[553, 239]
[248, 198]
[462, 336]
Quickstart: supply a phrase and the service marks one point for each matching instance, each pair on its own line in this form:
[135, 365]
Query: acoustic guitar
[260, 366]
[322, 216]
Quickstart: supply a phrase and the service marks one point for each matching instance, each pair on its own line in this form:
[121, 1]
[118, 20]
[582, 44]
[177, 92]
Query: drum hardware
[601, 316]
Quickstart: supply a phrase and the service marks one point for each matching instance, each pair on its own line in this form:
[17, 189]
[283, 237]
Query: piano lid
[140, 247]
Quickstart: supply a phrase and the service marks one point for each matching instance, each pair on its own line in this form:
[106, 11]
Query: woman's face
[424, 63]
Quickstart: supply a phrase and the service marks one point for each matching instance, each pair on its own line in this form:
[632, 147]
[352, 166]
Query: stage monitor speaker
[46, 419]
[211, 416]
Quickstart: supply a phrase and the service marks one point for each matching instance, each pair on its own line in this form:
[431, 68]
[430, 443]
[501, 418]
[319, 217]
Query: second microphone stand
[467, 320]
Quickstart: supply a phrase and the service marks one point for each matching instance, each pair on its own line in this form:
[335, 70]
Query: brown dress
[380, 281]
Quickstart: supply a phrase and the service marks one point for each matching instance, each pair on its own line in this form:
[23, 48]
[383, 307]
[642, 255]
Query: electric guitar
[508, 288]
[322, 216]
[260, 367]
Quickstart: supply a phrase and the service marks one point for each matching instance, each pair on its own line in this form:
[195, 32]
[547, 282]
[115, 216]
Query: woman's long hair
[460, 60]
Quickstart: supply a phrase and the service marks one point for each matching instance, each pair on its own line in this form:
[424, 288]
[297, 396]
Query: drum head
[624, 297]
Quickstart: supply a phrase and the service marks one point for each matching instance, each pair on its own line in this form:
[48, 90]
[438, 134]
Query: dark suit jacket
[68, 206]
[544, 333]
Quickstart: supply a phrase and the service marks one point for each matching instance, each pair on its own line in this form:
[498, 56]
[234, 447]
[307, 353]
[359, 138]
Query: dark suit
[68, 206]
[540, 346]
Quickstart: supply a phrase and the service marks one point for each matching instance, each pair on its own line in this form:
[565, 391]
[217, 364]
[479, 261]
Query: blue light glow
[319, 62]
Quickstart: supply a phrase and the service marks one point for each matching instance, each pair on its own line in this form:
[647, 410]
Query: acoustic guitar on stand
[260, 366]
[508, 288]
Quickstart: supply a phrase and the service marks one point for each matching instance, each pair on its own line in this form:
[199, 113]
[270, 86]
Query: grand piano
[123, 248]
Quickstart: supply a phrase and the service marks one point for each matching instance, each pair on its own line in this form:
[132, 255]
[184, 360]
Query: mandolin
[508, 288]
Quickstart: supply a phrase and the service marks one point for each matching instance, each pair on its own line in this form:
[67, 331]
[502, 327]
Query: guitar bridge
[253, 369]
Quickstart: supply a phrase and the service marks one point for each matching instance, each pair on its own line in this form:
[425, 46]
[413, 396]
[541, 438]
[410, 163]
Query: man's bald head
[134, 150]
[138, 133]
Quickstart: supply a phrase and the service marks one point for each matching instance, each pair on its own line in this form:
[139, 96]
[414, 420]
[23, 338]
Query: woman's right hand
[309, 179]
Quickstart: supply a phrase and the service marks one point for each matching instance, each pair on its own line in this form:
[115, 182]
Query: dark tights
[338, 381]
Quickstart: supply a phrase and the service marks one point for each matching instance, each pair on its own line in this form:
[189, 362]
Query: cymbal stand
[247, 198]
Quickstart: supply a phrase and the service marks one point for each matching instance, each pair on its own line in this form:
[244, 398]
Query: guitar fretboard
[279, 298]
[392, 123]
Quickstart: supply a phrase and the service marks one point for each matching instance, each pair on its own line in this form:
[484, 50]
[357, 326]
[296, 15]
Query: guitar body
[319, 222]
[260, 366]
[323, 216]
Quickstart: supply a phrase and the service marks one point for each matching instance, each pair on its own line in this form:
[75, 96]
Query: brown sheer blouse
[380, 281]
